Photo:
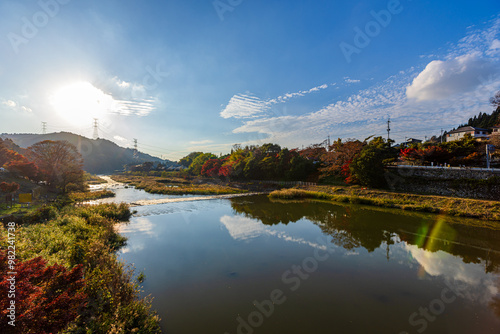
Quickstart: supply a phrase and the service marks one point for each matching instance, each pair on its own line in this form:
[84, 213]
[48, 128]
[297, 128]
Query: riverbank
[69, 275]
[177, 186]
[459, 207]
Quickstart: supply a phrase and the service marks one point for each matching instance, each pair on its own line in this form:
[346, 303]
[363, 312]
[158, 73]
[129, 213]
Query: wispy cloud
[132, 97]
[250, 106]
[201, 142]
[15, 106]
[120, 139]
[244, 106]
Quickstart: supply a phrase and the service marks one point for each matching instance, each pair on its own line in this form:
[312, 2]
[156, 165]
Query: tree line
[351, 161]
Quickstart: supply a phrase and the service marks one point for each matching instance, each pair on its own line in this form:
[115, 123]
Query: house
[477, 133]
[495, 130]
[410, 141]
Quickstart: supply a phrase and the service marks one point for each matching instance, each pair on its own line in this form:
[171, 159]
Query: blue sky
[184, 76]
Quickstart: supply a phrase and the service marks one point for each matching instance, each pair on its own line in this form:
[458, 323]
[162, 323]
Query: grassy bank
[82, 238]
[91, 196]
[93, 179]
[460, 207]
[175, 186]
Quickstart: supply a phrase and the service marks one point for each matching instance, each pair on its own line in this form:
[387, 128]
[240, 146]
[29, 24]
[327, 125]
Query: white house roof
[467, 129]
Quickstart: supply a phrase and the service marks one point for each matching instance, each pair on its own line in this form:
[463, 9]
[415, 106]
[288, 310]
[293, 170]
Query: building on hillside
[495, 130]
[410, 141]
[407, 142]
[477, 133]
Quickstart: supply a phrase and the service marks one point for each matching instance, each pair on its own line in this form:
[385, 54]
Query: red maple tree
[47, 298]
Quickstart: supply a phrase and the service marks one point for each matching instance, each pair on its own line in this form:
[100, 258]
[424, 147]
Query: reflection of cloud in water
[243, 228]
[132, 249]
[138, 225]
[480, 286]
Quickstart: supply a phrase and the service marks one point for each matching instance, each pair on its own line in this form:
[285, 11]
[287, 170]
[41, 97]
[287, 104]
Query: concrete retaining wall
[459, 182]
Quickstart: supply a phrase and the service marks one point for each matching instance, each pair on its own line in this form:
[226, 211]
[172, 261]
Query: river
[253, 265]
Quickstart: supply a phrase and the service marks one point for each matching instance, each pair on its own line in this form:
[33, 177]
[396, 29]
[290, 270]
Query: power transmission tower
[96, 127]
[136, 156]
[44, 127]
[441, 135]
[388, 129]
[328, 143]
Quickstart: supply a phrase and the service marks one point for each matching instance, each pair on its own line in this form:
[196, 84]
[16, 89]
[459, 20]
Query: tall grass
[90, 196]
[460, 207]
[87, 235]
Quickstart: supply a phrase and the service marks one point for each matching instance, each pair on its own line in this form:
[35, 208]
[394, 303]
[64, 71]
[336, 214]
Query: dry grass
[175, 186]
[460, 207]
[90, 196]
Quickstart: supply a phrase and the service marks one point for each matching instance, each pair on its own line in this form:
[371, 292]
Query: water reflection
[212, 260]
[356, 226]
[466, 257]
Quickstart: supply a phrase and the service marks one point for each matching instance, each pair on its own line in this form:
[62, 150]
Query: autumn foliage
[47, 299]
[8, 187]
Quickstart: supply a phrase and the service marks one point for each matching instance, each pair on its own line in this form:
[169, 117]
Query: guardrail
[479, 169]
[286, 183]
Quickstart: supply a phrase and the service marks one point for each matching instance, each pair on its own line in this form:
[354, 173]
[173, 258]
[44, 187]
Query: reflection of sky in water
[480, 286]
[196, 252]
[243, 228]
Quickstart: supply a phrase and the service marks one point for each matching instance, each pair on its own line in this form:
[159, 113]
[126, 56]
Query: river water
[252, 265]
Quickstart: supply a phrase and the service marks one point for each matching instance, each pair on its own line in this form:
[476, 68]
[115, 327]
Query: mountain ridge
[100, 155]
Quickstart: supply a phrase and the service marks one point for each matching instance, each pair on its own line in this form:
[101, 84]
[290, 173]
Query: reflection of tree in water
[356, 226]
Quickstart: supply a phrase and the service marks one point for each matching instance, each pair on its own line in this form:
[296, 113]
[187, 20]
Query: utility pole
[44, 127]
[136, 156]
[388, 129]
[489, 150]
[96, 126]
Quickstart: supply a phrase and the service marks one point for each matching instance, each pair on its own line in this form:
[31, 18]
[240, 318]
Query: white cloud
[244, 106]
[442, 79]
[120, 139]
[250, 106]
[121, 83]
[16, 106]
[10, 103]
[495, 45]
[201, 142]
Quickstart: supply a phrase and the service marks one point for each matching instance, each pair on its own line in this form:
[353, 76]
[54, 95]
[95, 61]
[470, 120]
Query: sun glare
[80, 102]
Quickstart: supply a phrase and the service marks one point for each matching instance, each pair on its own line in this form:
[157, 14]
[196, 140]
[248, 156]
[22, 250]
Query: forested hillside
[100, 156]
